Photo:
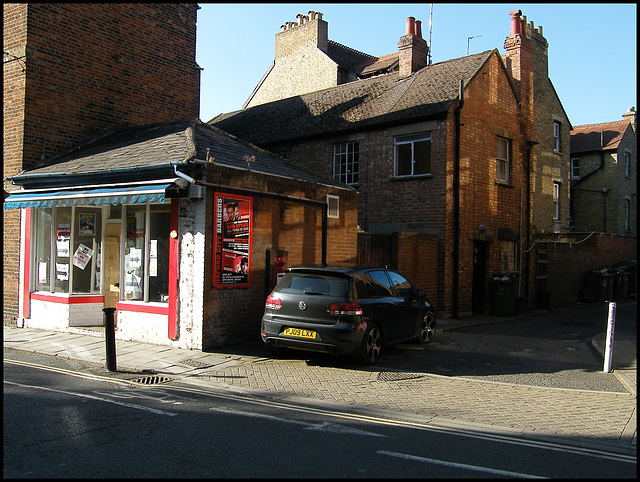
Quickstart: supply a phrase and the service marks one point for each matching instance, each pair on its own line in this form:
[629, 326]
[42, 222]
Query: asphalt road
[61, 422]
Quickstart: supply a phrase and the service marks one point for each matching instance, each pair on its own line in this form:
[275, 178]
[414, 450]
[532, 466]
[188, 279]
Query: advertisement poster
[232, 241]
[82, 256]
[87, 224]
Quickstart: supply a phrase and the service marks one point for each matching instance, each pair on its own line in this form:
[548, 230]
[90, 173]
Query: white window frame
[557, 136]
[346, 162]
[557, 186]
[503, 160]
[411, 140]
[627, 164]
[333, 206]
[575, 168]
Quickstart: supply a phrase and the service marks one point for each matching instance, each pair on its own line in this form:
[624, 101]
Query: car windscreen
[313, 284]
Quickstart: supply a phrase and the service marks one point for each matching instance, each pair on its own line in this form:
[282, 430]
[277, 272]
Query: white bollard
[608, 351]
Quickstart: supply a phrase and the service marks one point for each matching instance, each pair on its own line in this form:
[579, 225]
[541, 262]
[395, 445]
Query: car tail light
[351, 308]
[273, 303]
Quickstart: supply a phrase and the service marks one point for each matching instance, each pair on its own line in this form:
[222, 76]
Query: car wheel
[427, 328]
[369, 351]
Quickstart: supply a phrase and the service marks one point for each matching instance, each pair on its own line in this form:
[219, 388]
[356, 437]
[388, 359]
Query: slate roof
[596, 137]
[385, 99]
[160, 145]
[346, 57]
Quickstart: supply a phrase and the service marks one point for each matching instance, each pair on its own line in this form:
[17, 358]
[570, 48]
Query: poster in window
[232, 241]
[87, 224]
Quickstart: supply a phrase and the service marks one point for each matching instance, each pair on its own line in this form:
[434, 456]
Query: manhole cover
[190, 362]
[152, 380]
[395, 376]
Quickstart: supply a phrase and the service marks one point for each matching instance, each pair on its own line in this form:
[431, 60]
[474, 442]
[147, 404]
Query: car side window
[401, 285]
[381, 285]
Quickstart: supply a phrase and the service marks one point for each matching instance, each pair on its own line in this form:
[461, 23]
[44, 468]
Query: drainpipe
[456, 201]
[530, 145]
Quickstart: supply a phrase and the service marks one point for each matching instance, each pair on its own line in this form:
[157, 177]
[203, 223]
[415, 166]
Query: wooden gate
[376, 250]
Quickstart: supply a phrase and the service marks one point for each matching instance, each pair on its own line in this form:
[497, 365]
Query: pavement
[594, 419]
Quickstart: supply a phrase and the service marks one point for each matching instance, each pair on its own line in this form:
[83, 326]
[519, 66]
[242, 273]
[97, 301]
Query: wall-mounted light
[482, 228]
[173, 234]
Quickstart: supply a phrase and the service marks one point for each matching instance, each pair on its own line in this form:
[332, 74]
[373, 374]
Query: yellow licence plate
[299, 333]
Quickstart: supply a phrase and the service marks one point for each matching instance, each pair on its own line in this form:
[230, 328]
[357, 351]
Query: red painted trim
[173, 269]
[26, 271]
[143, 308]
[66, 299]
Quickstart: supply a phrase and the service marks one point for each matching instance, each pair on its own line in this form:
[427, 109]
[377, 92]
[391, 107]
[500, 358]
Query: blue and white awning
[154, 193]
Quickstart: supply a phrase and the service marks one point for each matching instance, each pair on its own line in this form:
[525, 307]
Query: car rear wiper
[314, 293]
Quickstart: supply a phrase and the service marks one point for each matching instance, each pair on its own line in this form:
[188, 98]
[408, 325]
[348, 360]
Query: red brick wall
[567, 263]
[88, 68]
[232, 315]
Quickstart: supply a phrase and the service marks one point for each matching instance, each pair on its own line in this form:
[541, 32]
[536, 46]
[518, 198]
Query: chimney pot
[411, 26]
[312, 15]
[516, 24]
[419, 28]
[318, 15]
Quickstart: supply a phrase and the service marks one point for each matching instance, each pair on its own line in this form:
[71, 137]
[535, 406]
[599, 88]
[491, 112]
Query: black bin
[503, 295]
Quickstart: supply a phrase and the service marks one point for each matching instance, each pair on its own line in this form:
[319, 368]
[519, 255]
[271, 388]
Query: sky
[592, 47]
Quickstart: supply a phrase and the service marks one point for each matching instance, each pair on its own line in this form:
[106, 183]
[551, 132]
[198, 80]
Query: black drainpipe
[530, 145]
[456, 202]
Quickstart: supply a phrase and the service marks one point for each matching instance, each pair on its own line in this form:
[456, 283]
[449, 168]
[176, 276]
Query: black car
[345, 310]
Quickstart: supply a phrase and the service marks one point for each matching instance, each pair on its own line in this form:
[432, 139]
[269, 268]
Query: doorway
[479, 276]
[112, 264]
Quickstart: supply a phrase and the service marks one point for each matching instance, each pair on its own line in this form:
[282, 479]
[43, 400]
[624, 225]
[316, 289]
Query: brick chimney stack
[412, 48]
[294, 35]
[630, 115]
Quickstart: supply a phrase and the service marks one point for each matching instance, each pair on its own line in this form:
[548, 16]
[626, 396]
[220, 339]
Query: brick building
[72, 71]
[178, 226]
[119, 197]
[469, 153]
[604, 193]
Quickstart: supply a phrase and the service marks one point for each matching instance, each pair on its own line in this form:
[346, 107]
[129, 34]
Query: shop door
[112, 265]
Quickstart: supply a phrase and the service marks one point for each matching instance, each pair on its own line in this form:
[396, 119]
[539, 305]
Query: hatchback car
[345, 310]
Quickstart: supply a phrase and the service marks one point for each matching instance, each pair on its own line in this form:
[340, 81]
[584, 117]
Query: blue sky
[592, 47]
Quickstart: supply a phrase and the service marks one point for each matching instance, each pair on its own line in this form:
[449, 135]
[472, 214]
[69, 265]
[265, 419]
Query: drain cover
[152, 380]
[395, 376]
[190, 362]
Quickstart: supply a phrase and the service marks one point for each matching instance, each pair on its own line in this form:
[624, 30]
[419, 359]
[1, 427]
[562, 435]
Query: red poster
[232, 241]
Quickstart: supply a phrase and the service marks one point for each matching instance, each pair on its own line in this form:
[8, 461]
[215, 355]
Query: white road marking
[319, 427]
[100, 399]
[496, 472]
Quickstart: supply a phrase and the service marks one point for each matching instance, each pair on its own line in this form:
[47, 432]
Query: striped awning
[154, 193]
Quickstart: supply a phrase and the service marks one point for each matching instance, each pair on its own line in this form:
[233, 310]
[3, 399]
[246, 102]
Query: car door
[410, 309]
[388, 313]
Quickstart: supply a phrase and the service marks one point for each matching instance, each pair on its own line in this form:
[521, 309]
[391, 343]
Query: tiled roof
[346, 57]
[596, 137]
[384, 99]
[381, 64]
[165, 143]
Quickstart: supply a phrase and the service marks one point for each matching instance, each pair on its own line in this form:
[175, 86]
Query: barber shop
[178, 226]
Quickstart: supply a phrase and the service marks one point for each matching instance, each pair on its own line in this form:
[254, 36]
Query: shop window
[67, 249]
[146, 255]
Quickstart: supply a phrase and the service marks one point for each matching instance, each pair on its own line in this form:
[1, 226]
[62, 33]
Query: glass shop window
[146, 255]
[67, 249]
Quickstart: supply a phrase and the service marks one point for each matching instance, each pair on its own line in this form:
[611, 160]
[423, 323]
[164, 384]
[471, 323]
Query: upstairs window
[556, 200]
[627, 164]
[575, 168]
[346, 162]
[557, 136]
[413, 155]
[503, 160]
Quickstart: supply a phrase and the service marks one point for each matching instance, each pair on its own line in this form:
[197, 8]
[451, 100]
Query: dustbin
[599, 285]
[620, 285]
[503, 295]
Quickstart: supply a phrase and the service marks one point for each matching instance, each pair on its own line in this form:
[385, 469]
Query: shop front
[166, 224]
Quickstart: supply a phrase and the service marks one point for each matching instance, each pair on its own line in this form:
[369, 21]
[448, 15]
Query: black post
[110, 338]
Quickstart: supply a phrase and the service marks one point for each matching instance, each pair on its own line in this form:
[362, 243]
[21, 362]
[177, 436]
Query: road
[64, 418]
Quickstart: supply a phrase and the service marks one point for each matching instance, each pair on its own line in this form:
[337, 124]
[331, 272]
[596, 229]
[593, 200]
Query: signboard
[233, 217]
